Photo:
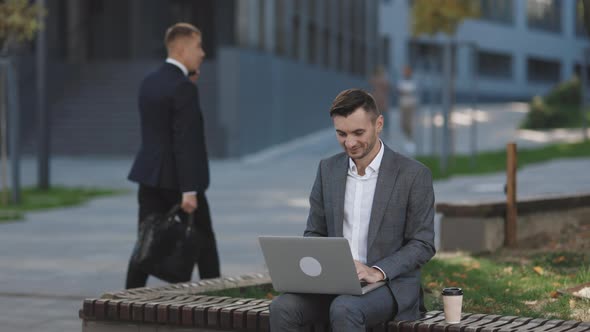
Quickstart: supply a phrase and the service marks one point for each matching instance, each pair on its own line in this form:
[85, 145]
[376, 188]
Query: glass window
[494, 65]
[261, 24]
[327, 48]
[362, 58]
[579, 13]
[497, 10]
[385, 51]
[328, 12]
[578, 71]
[422, 54]
[311, 42]
[544, 15]
[312, 9]
[543, 70]
[280, 43]
[339, 50]
[295, 38]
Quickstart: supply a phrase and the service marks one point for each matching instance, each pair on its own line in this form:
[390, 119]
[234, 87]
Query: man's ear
[379, 123]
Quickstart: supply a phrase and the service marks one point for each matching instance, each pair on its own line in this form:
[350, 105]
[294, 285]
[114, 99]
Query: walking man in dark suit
[383, 204]
[171, 166]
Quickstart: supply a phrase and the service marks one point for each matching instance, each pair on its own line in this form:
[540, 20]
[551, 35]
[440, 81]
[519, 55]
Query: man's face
[358, 133]
[192, 52]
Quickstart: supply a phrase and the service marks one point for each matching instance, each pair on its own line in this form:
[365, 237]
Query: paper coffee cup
[452, 300]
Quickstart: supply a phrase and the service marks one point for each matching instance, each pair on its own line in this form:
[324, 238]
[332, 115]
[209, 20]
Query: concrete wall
[486, 233]
[263, 100]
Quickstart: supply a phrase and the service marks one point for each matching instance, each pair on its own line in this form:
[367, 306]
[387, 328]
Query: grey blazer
[401, 228]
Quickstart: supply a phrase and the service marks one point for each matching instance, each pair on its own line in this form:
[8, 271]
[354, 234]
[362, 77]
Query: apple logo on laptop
[310, 266]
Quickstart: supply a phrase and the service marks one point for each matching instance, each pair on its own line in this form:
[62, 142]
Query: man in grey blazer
[383, 204]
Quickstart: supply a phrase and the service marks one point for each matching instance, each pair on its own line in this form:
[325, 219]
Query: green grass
[489, 162]
[33, 199]
[508, 284]
[505, 283]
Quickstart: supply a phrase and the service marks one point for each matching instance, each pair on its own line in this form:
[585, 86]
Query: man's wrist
[383, 275]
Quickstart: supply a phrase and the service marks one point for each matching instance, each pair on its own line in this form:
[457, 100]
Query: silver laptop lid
[322, 265]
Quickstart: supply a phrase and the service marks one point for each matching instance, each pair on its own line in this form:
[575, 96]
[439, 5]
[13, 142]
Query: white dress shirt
[178, 64]
[358, 203]
[185, 71]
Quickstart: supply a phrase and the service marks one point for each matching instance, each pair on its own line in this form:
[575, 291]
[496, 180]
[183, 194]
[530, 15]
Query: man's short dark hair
[179, 30]
[350, 100]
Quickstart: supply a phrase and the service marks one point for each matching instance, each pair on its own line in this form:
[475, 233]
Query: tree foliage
[433, 16]
[19, 21]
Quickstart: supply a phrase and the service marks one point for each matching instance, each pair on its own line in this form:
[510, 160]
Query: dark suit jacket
[401, 226]
[173, 153]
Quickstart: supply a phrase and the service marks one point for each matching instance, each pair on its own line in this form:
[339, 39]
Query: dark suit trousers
[158, 200]
[345, 313]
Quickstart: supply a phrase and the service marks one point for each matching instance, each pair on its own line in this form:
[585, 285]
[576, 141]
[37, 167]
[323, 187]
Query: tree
[431, 17]
[19, 21]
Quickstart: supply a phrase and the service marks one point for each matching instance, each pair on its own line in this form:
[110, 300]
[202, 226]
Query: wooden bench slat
[495, 326]
[175, 309]
[200, 312]
[214, 312]
[550, 324]
[568, 325]
[516, 324]
[113, 309]
[427, 324]
[465, 321]
[163, 309]
[479, 325]
[221, 316]
[252, 321]
[532, 324]
[441, 326]
[88, 307]
[264, 320]
[100, 307]
[226, 315]
[138, 308]
[581, 328]
[150, 314]
[188, 318]
[240, 315]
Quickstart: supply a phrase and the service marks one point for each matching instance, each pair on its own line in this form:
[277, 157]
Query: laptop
[321, 265]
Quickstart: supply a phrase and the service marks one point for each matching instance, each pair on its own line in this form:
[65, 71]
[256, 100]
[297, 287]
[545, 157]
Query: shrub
[559, 108]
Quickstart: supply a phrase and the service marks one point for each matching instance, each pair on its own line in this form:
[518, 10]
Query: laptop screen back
[310, 265]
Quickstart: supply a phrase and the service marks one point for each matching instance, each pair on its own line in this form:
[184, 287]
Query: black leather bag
[165, 247]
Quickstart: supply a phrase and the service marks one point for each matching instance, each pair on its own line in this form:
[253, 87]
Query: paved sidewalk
[54, 259]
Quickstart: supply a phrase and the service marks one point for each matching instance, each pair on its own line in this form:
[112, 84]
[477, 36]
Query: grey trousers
[291, 312]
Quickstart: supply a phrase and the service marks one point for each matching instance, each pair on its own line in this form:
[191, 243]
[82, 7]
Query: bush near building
[560, 108]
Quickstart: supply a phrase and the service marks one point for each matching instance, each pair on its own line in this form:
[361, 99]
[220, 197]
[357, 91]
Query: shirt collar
[178, 64]
[373, 166]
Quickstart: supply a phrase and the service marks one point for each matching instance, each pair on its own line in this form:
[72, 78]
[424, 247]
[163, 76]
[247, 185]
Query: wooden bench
[180, 307]
[210, 313]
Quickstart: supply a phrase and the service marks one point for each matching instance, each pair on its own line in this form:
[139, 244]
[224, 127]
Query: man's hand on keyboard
[368, 274]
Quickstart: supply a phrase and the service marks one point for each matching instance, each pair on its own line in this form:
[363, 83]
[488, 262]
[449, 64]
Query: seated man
[383, 204]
